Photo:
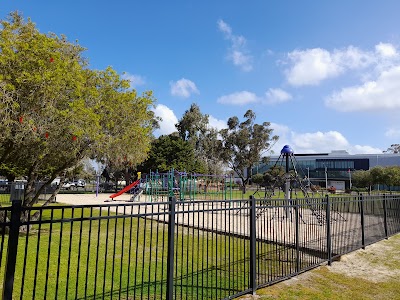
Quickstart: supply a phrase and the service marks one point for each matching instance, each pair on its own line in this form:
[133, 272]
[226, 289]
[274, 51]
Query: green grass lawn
[124, 258]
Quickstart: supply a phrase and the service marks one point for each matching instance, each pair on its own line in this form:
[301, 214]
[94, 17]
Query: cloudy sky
[326, 74]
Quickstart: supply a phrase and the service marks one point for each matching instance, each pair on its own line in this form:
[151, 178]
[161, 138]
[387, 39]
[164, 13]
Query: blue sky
[326, 74]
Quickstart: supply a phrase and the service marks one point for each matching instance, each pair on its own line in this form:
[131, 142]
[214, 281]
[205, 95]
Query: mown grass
[126, 259]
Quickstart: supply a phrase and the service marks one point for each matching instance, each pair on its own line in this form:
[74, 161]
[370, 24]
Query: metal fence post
[253, 271]
[297, 237]
[328, 230]
[8, 284]
[385, 215]
[170, 254]
[362, 221]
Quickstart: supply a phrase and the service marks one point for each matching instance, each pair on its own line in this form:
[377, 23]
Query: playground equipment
[288, 182]
[183, 186]
[125, 189]
[187, 186]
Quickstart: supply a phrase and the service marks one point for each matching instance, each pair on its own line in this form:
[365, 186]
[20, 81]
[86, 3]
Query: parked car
[68, 185]
[79, 183]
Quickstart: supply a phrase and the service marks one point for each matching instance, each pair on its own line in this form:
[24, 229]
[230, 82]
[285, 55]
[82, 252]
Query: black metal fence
[181, 250]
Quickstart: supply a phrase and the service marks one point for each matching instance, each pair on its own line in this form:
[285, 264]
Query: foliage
[258, 179]
[389, 176]
[244, 143]
[361, 179]
[171, 152]
[274, 176]
[194, 128]
[55, 111]
[192, 125]
[394, 148]
[378, 175]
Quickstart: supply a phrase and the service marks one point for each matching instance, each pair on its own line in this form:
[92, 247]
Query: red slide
[125, 189]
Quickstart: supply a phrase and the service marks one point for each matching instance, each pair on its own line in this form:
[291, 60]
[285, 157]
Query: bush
[359, 190]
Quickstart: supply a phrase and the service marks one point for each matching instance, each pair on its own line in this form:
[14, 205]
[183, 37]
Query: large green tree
[244, 143]
[194, 128]
[55, 111]
[171, 152]
[389, 176]
[362, 179]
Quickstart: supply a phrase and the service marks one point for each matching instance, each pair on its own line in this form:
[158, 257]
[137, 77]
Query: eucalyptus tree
[171, 152]
[55, 111]
[394, 148]
[194, 128]
[244, 143]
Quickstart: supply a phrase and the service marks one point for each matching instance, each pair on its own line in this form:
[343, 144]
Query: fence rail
[219, 249]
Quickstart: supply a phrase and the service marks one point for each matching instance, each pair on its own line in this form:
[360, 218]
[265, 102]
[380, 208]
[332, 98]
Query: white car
[80, 183]
[68, 185]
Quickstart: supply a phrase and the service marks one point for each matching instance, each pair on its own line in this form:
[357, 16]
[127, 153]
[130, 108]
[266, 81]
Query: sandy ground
[272, 224]
[81, 199]
[369, 264]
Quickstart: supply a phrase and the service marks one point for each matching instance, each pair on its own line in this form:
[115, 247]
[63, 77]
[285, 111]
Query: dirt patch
[369, 264]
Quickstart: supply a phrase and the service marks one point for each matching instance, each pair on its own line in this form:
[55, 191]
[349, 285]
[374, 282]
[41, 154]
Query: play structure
[290, 182]
[132, 186]
[184, 186]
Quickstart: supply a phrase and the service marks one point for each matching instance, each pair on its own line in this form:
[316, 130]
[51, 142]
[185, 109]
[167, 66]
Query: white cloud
[167, 125]
[241, 60]
[382, 94]
[225, 28]
[280, 129]
[353, 58]
[317, 142]
[135, 80]
[274, 96]
[283, 132]
[183, 88]
[237, 52]
[393, 133]
[215, 123]
[238, 98]
[311, 66]
[386, 50]
[357, 149]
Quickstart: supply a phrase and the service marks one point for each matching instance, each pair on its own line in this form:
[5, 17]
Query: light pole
[350, 178]
[97, 183]
[377, 165]
[326, 178]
